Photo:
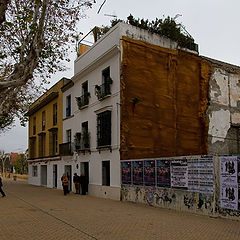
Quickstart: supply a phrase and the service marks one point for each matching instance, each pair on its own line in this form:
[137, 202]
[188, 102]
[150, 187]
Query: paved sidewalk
[30, 212]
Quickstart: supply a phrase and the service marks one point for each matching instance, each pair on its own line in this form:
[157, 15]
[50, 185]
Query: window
[34, 125]
[55, 143]
[85, 88]
[69, 135]
[32, 146]
[84, 99]
[43, 120]
[68, 106]
[42, 144]
[104, 90]
[106, 173]
[106, 75]
[104, 129]
[55, 114]
[85, 135]
[85, 94]
[34, 171]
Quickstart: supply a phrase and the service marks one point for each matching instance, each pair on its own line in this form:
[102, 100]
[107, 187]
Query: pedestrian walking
[65, 183]
[76, 180]
[1, 191]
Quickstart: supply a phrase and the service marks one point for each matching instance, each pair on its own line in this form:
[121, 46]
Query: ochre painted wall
[48, 108]
[172, 89]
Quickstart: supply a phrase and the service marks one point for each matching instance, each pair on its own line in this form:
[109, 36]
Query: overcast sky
[214, 24]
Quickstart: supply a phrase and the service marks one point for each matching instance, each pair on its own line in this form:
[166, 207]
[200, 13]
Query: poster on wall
[138, 172]
[229, 187]
[201, 174]
[126, 172]
[149, 172]
[193, 176]
[163, 173]
[206, 175]
[179, 173]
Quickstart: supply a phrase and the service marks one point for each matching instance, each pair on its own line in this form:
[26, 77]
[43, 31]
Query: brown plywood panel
[172, 89]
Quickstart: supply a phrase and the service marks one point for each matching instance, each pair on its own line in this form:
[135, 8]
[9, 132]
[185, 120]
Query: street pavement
[31, 212]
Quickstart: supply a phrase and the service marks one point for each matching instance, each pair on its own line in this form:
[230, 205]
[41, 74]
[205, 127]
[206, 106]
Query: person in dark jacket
[83, 183]
[1, 191]
[76, 180]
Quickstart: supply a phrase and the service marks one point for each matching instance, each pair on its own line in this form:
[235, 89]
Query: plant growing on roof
[165, 27]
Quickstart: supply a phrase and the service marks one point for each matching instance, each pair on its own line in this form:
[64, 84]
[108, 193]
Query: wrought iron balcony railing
[83, 100]
[66, 149]
[82, 142]
[103, 90]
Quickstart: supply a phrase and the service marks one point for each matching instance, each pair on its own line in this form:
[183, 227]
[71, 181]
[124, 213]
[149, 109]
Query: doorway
[85, 171]
[44, 175]
[55, 175]
[106, 173]
[68, 171]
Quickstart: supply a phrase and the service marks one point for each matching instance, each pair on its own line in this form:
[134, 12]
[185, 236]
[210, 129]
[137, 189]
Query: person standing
[83, 183]
[76, 181]
[65, 183]
[1, 191]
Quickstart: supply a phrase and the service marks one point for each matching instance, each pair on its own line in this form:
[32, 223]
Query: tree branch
[3, 8]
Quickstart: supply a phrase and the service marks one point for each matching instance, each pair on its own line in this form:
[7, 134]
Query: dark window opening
[84, 99]
[85, 135]
[34, 125]
[104, 129]
[104, 90]
[55, 143]
[55, 114]
[43, 120]
[85, 88]
[69, 135]
[106, 75]
[68, 106]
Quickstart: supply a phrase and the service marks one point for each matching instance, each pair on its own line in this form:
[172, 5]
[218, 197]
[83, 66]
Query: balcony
[103, 90]
[82, 141]
[83, 101]
[66, 149]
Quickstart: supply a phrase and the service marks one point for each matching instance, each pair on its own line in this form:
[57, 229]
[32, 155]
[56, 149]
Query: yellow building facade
[45, 124]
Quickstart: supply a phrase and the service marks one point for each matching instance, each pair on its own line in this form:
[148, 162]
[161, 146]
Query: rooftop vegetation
[165, 27]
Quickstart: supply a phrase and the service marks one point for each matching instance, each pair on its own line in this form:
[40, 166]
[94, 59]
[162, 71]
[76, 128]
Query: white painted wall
[90, 70]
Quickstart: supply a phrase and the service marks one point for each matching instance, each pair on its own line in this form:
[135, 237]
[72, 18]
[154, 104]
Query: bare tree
[34, 36]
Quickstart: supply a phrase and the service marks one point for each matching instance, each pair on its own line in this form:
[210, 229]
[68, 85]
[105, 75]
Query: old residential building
[45, 135]
[137, 96]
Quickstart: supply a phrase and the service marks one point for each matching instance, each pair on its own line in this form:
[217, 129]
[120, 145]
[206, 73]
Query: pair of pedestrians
[1, 191]
[80, 182]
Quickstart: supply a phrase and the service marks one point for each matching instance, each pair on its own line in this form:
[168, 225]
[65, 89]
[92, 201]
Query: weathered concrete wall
[180, 199]
[172, 89]
[176, 199]
[224, 109]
